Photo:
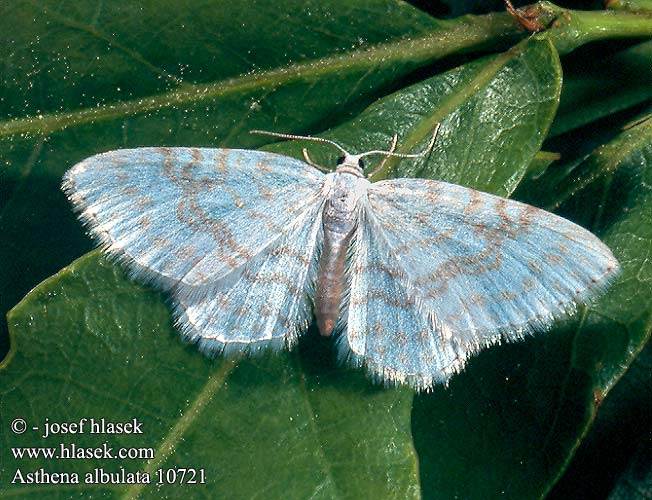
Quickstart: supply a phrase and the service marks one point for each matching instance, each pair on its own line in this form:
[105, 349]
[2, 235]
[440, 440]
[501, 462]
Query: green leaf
[562, 184]
[517, 414]
[86, 78]
[588, 96]
[494, 114]
[90, 343]
[636, 482]
[617, 202]
[607, 458]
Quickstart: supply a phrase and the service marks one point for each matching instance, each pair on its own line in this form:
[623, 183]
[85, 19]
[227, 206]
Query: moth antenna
[423, 153]
[306, 137]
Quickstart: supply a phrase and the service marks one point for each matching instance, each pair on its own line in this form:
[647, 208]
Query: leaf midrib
[326, 468]
[415, 51]
[454, 100]
[177, 431]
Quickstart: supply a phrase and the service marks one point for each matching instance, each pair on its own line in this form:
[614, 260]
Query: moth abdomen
[330, 280]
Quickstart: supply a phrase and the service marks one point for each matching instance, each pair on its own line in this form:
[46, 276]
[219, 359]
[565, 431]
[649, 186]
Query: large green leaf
[89, 343]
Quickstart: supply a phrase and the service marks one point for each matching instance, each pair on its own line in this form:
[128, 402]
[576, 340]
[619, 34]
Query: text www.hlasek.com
[72, 451]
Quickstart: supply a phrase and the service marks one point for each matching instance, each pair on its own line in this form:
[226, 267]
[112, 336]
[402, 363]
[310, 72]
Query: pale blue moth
[413, 275]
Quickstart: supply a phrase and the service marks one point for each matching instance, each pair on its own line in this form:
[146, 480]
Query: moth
[413, 275]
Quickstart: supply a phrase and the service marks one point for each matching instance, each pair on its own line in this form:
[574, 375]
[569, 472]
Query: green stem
[640, 6]
[570, 29]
